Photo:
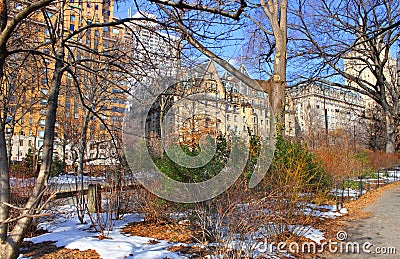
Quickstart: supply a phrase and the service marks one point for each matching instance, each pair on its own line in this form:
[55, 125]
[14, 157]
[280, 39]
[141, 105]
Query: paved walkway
[379, 233]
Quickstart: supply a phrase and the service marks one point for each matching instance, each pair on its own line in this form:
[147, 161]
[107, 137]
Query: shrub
[293, 164]
[200, 174]
[379, 159]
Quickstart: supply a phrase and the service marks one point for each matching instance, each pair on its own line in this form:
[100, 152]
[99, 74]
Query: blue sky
[121, 8]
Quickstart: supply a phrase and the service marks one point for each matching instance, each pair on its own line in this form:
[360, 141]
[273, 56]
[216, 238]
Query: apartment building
[324, 109]
[158, 52]
[206, 101]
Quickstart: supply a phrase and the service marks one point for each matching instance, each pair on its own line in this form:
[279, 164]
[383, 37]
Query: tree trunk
[4, 187]
[8, 251]
[277, 97]
[276, 11]
[82, 145]
[81, 202]
[15, 238]
[390, 133]
[4, 173]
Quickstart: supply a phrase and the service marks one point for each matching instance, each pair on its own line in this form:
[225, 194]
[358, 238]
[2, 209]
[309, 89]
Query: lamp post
[325, 115]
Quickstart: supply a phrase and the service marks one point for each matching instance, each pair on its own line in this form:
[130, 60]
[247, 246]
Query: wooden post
[94, 198]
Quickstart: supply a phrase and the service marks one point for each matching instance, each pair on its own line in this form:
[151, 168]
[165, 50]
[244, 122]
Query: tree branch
[181, 5]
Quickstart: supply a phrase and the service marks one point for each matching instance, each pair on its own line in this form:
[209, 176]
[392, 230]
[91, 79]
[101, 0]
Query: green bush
[294, 164]
[195, 175]
[57, 166]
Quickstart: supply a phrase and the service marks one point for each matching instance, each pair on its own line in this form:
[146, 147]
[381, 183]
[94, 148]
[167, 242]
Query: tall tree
[188, 17]
[7, 28]
[56, 50]
[350, 44]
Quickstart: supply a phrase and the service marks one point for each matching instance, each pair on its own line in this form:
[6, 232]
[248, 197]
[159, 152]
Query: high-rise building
[89, 85]
[157, 51]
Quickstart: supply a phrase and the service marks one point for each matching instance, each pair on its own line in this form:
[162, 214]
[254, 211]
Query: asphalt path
[377, 236]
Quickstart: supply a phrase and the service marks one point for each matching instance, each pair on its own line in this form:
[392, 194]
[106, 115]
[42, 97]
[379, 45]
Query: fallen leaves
[172, 231]
[48, 250]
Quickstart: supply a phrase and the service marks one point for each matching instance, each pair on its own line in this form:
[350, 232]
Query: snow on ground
[22, 182]
[324, 211]
[70, 178]
[66, 230]
[56, 180]
[309, 232]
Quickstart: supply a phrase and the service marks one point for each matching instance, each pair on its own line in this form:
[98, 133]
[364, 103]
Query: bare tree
[188, 19]
[349, 44]
[56, 51]
[7, 28]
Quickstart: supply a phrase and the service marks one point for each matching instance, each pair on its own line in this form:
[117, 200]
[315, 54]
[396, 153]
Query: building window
[18, 6]
[49, 14]
[72, 18]
[42, 122]
[41, 133]
[21, 142]
[71, 27]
